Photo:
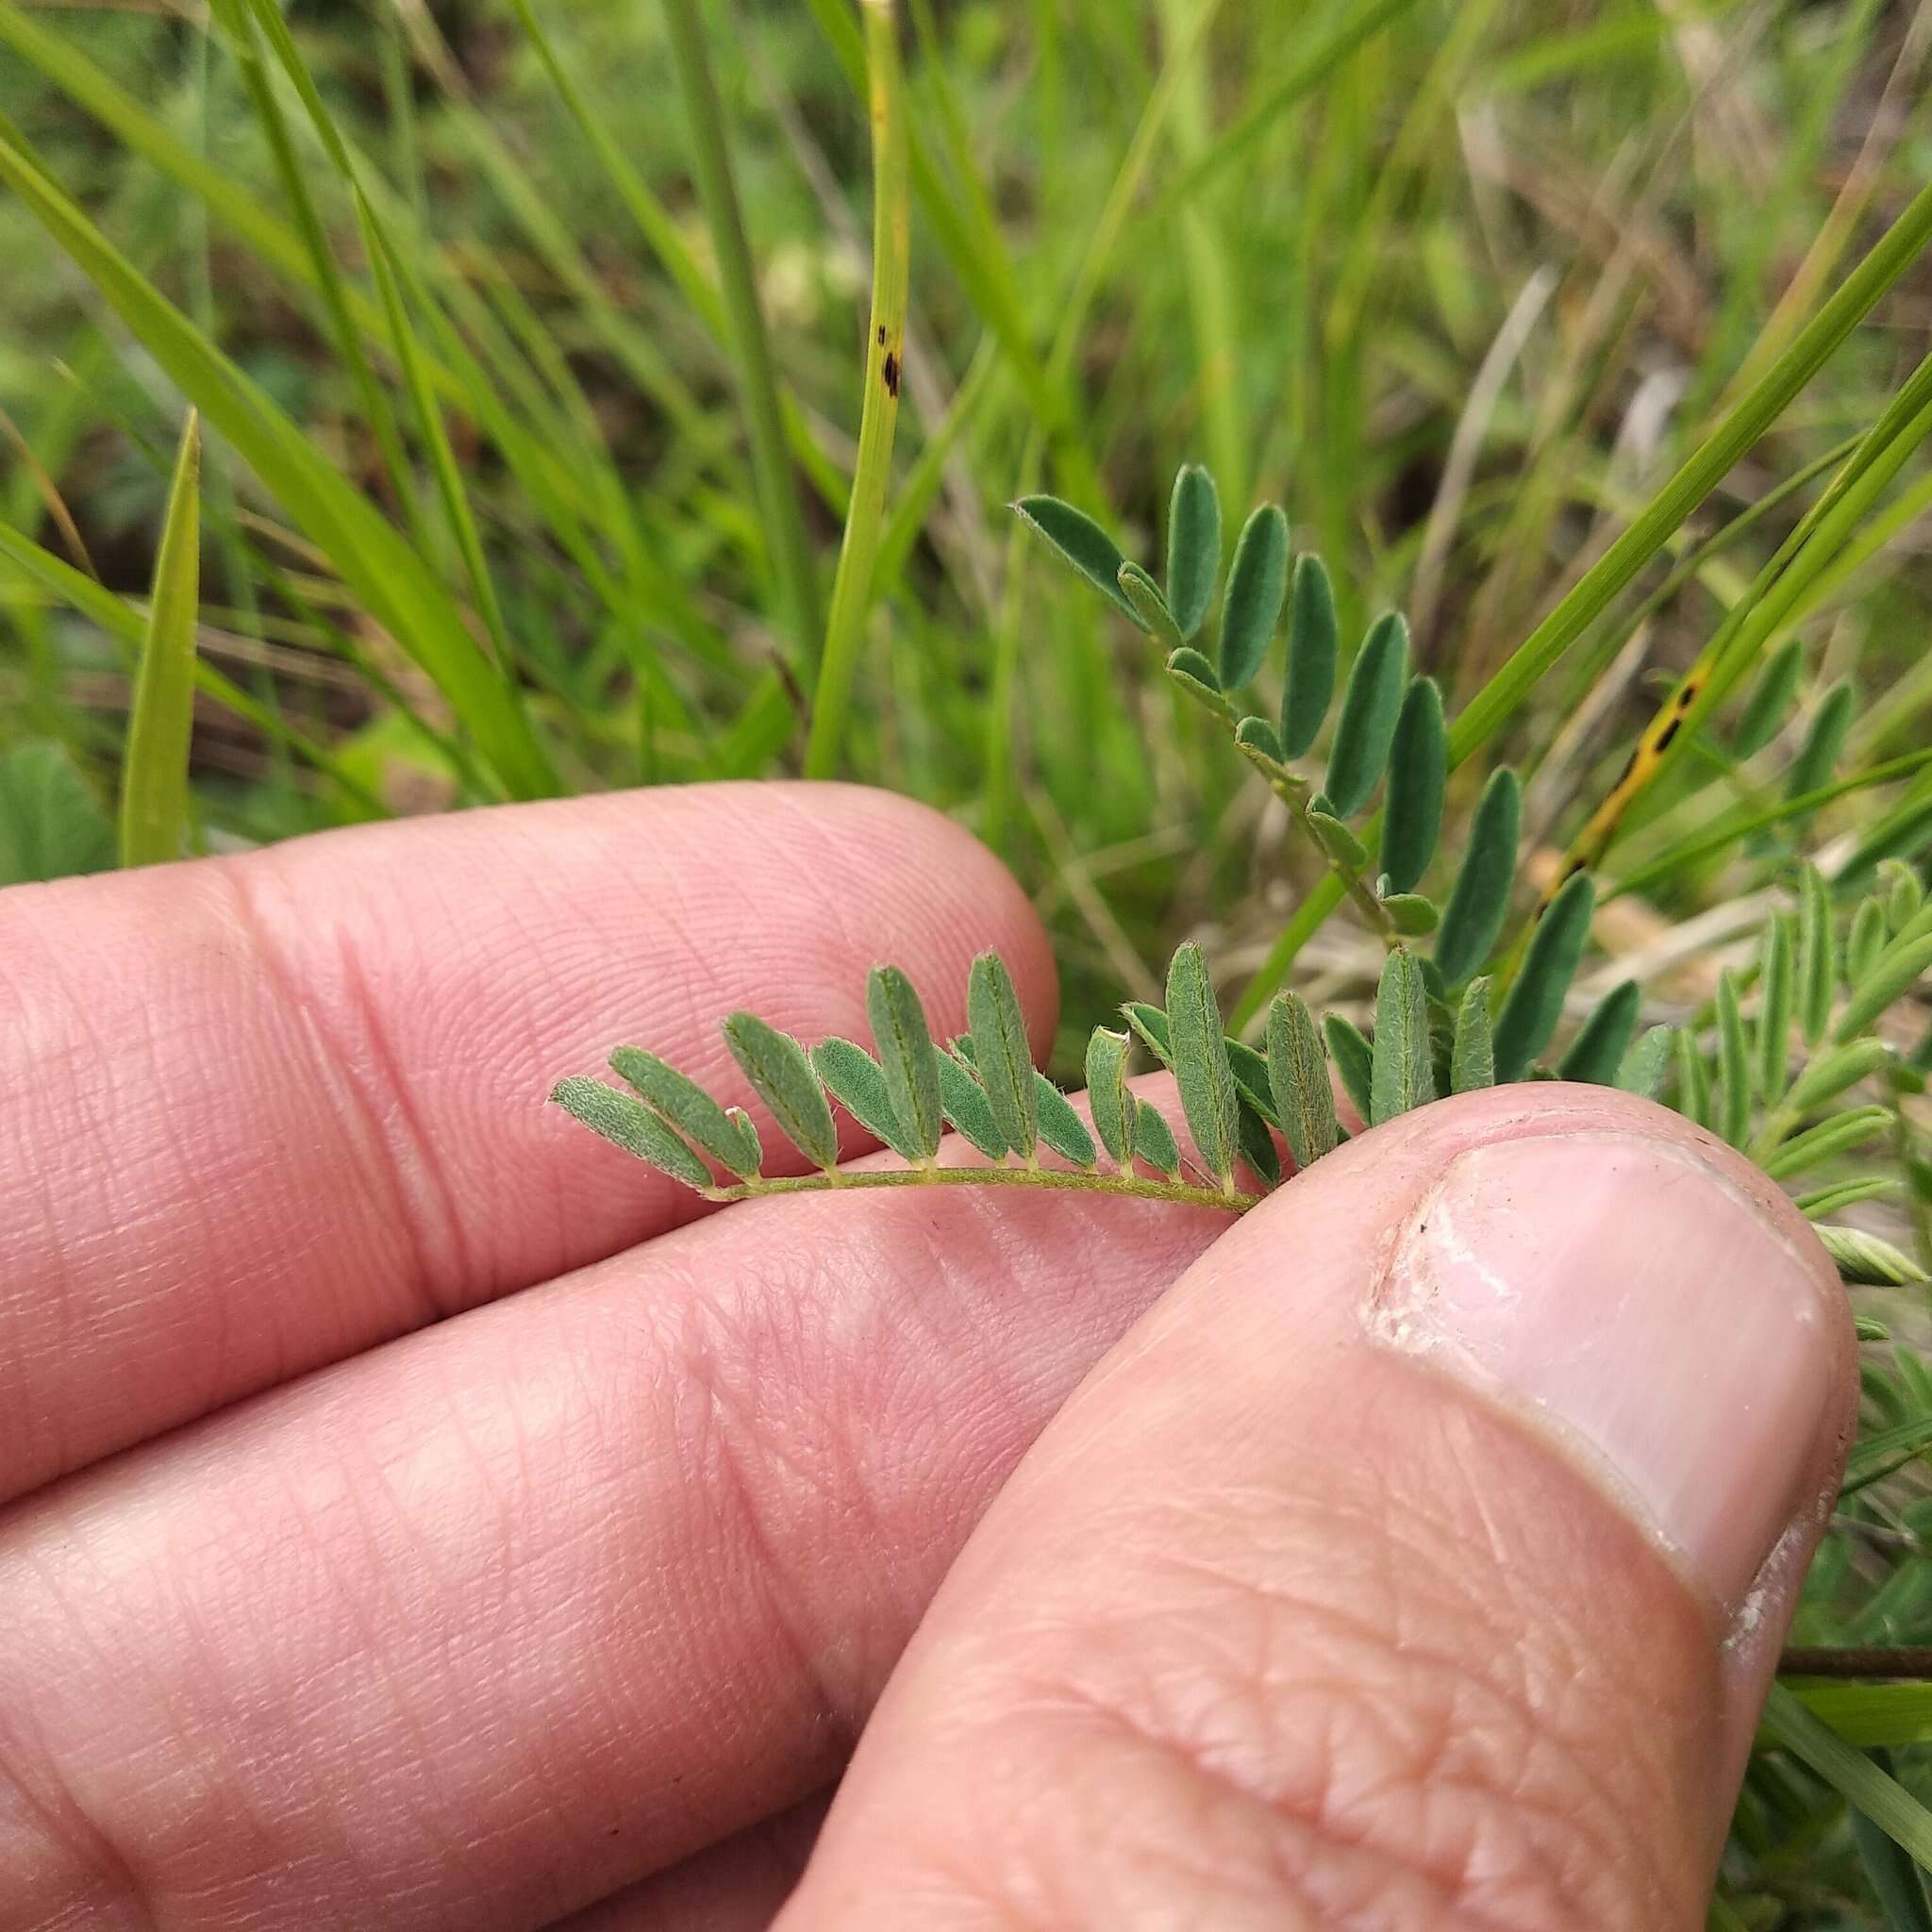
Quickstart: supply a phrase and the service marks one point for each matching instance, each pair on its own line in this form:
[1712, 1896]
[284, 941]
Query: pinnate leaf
[1194, 547]
[1257, 586]
[632, 1125]
[781, 1075]
[1479, 899]
[1365, 729]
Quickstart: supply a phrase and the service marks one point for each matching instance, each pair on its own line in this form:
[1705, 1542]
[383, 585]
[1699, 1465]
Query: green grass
[546, 450]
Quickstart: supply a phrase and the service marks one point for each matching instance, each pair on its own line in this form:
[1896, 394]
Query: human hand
[323, 1610]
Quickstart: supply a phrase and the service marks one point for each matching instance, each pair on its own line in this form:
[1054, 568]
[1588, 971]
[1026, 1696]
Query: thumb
[1419, 1561]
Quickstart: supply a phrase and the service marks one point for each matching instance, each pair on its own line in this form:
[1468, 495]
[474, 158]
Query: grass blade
[906, 1052]
[1366, 728]
[1200, 1066]
[1000, 1053]
[782, 1077]
[1596, 1054]
[1418, 774]
[630, 1125]
[1401, 1072]
[154, 780]
[1193, 547]
[1313, 635]
[1108, 1098]
[1298, 1078]
[885, 355]
[1850, 1774]
[1535, 1003]
[1257, 586]
[1480, 901]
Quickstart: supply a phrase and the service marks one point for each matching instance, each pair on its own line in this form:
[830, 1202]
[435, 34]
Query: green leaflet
[1829, 1137]
[1298, 1078]
[1338, 842]
[1194, 547]
[630, 1125]
[1770, 701]
[905, 1056]
[1867, 1262]
[1312, 637]
[1349, 1048]
[1258, 1147]
[1258, 734]
[1080, 542]
[1200, 680]
[1834, 1200]
[1365, 728]
[1647, 1062]
[1256, 588]
[965, 1103]
[1200, 1066]
[1108, 1098]
[51, 824]
[1154, 1140]
[1733, 1064]
[154, 780]
[1816, 954]
[1693, 1080]
[1830, 1074]
[1480, 897]
[1535, 1003]
[729, 1138]
[857, 1083]
[1818, 755]
[1000, 1054]
[1902, 891]
[1472, 1058]
[1863, 943]
[1411, 915]
[1778, 994]
[1418, 774]
[1596, 1054]
[1401, 1074]
[780, 1075]
[1887, 978]
[1150, 608]
[1061, 1127]
[1250, 1067]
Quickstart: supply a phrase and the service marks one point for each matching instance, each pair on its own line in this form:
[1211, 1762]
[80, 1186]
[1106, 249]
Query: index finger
[264, 1112]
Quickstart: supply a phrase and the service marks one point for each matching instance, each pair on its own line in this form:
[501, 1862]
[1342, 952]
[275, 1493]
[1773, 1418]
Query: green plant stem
[1130, 1186]
[885, 356]
[790, 549]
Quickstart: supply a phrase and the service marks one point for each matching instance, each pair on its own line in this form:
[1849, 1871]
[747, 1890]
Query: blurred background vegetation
[492, 506]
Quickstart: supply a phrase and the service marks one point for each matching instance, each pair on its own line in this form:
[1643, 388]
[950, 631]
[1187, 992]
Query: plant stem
[885, 355]
[790, 549]
[1130, 1186]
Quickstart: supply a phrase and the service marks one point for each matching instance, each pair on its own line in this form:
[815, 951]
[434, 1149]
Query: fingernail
[1632, 1299]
